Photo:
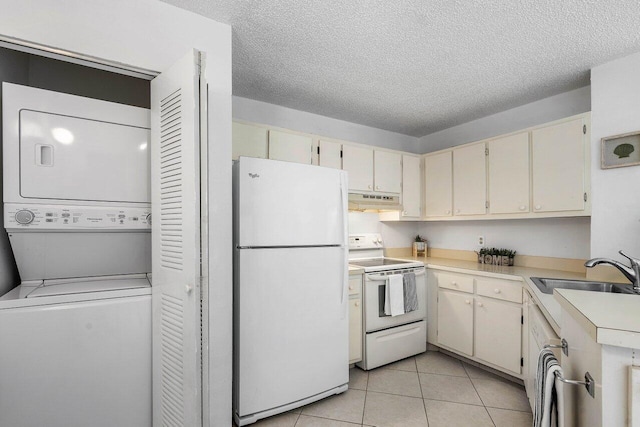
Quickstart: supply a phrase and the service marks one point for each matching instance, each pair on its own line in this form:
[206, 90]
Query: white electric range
[387, 338]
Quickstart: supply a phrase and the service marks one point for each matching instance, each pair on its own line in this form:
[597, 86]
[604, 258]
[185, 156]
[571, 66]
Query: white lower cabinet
[616, 399]
[478, 317]
[355, 318]
[498, 333]
[455, 321]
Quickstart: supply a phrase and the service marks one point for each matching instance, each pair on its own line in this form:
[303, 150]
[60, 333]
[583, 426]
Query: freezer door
[289, 204]
[291, 326]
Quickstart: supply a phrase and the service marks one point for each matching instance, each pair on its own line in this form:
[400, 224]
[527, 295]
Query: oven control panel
[67, 217]
[365, 241]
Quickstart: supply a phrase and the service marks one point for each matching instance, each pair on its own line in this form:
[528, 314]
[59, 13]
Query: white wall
[550, 237]
[152, 35]
[535, 113]
[394, 234]
[615, 220]
[301, 121]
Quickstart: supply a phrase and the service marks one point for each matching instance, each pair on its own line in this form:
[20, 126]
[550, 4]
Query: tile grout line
[366, 392]
[476, 390]
[297, 418]
[424, 404]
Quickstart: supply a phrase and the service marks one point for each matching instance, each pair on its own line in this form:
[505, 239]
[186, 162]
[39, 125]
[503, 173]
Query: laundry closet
[76, 332]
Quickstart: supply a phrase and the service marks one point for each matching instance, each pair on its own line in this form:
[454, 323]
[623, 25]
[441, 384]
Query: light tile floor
[431, 389]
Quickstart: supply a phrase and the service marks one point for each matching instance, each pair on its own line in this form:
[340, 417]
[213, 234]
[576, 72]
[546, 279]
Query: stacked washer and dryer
[75, 335]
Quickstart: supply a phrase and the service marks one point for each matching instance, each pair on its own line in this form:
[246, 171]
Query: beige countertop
[549, 306]
[355, 270]
[610, 319]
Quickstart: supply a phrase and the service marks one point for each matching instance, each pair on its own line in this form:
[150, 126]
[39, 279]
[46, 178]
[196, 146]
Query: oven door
[374, 291]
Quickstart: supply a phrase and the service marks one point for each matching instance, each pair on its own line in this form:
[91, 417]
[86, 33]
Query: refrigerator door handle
[345, 236]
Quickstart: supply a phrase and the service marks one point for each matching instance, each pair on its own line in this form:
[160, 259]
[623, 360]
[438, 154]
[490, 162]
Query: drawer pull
[350, 288]
[357, 304]
[467, 301]
[454, 284]
[479, 304]
[496, 291]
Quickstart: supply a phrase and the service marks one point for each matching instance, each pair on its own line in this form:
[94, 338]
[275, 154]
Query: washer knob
[148, 218]
[24, 216]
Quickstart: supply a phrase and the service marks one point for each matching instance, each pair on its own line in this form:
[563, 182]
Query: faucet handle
[634, 261]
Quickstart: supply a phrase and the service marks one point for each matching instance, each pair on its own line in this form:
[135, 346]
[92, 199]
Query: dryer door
[75, 158]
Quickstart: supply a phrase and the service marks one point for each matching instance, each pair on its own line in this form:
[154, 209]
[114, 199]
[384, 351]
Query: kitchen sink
[547, 285]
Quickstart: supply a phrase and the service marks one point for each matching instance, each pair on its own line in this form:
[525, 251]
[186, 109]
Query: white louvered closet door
[175, 180]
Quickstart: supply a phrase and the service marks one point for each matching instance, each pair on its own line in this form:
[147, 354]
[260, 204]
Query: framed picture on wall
[621, 150]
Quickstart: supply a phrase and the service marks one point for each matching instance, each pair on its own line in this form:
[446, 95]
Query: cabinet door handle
[457, 210]
[467, 301]
[350, 288]
[496, 290]
[479, 304]
[377, 187]
[538, 207]
[454, 284]
[369, 187]
[448, 211]
[522, 207]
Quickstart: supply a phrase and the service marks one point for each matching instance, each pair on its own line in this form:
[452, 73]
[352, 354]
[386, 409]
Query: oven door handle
[382, 278]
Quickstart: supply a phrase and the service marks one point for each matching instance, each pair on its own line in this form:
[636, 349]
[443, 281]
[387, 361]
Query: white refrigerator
[290, 286]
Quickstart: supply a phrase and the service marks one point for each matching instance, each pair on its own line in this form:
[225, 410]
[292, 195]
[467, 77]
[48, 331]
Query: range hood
[374, 202]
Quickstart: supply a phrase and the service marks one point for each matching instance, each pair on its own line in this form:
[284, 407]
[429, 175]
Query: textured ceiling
[416, 67]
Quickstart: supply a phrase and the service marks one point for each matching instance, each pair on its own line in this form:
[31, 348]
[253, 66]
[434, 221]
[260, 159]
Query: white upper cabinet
[438, 184]
[411, 186]
[290, 147]
[559, 167]
[509, 174]
[387, 171]
[329, 154]
[470, 180]
[249, 141]
[358, 162]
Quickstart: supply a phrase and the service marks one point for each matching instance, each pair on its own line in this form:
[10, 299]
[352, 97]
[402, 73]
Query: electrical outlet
[481, 240]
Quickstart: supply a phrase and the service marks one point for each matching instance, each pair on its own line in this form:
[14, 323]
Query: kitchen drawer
[457, 282]
[507, 290]
[390, 345]
[355, 284]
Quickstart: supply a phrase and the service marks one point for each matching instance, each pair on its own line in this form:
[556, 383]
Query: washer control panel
[62, 217]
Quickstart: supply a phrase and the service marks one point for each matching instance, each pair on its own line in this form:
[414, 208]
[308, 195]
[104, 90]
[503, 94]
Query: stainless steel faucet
[632, 273]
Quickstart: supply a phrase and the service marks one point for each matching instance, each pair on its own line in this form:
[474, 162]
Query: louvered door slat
[176, 245]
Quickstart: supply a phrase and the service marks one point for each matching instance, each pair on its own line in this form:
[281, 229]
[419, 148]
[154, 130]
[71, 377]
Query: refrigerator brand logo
[254, 175]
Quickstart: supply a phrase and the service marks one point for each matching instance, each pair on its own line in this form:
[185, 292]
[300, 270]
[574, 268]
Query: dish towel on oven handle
[549, 407]
[410, 293]
[394, 295]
